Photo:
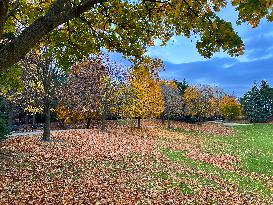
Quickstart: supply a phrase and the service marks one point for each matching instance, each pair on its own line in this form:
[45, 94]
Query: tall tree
[74, 29]
[267, 94]
[173, 101]
[182, 86]
[230, 107]
[203, 101]
[257, 103]
[93, 90]
[40, 80]
[146, 99]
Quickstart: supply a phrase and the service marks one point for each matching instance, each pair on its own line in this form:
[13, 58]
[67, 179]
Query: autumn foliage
[173, 101]
[146, 99]
[93, 90]
[123, 166]
[230, 107]
[202, 101]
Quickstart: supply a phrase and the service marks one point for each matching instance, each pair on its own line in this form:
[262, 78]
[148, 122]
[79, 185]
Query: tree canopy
[74, 29]
[146, 99]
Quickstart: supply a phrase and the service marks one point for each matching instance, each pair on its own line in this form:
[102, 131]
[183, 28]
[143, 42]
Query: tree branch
[60, 12]
[4, 5]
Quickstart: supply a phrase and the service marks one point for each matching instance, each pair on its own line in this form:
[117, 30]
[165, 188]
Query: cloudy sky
[236, 75]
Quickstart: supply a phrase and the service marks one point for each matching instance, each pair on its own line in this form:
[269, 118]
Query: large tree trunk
[4, 7]
[61, 12]
[46, 133]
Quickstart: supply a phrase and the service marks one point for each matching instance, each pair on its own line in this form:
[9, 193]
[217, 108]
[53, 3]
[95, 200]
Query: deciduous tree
[203, 101]
[93, 90]
[230, 107]
[38, 88]
[146, 99]
[253, 11]
[173, 102]
[74, 29]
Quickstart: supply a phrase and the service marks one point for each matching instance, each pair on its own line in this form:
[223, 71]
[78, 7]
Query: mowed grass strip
[252, 144]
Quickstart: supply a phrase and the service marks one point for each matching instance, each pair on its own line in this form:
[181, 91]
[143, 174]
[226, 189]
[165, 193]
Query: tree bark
[60, 12]
[169, 124]
[27, 122]
[4, 5]
[46, 133]
[163, 119]
[88, 123]
[103, 121]
[33, 119]
[11, 114]
[138, 122]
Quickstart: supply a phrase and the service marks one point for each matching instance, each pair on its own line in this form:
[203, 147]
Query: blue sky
[236, 75]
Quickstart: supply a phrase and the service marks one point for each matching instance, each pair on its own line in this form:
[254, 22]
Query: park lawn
[252, 143]
[184, 165]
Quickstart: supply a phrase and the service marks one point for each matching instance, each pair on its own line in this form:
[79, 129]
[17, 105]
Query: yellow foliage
[200, 102]
[230, 107]
[170, 83]
[147, 100]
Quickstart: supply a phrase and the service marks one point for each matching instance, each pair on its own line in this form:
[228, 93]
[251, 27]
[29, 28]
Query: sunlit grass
[244, 183]
[253, 144]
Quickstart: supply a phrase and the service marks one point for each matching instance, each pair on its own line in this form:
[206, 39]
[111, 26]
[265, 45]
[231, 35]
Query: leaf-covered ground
[189, 164]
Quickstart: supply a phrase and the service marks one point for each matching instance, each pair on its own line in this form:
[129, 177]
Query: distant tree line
[100, 89]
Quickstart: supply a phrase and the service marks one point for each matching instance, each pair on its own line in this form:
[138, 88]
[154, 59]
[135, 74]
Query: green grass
[252, 144]
[245, 183]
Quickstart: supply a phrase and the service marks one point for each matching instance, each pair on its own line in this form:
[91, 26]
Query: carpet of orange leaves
[117, 167]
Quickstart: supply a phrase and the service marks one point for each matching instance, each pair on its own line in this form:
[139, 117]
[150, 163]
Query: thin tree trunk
[46, 134]
[103, 125]
[88, 123]
[34, 119]
[199, 120]
[62, 124]
[27, 122]
[103, 121]
[162, 119]
[168, 120]
[138, 122]
[11, 114]
[169, 123]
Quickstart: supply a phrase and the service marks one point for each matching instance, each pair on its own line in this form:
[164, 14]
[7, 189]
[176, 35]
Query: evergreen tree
[257, 103]
[267, 95]
[182, 86]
